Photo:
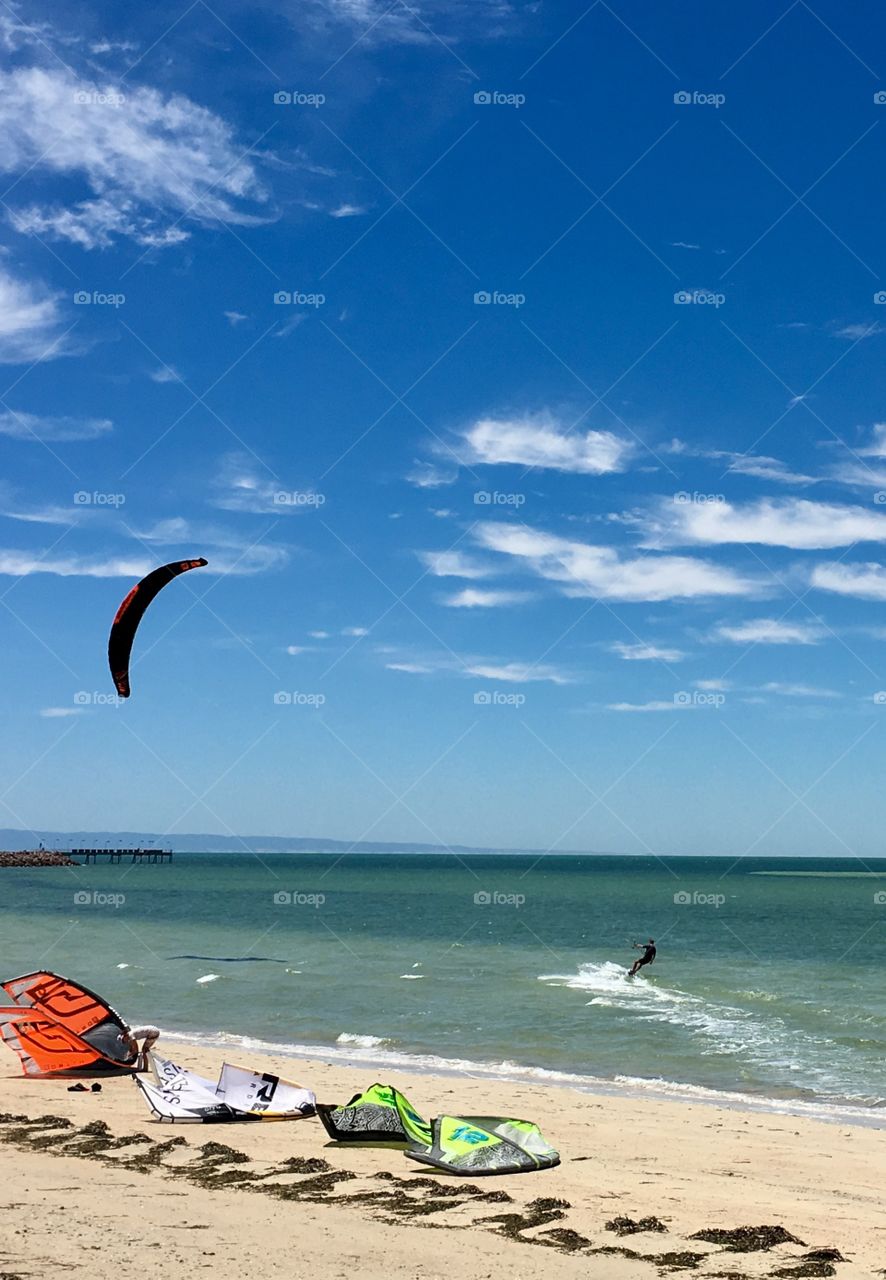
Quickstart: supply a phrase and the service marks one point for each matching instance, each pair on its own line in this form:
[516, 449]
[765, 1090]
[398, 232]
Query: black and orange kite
[54, 1025]
[130, 614]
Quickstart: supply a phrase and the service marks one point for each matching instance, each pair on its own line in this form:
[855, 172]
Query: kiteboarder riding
[648, 949]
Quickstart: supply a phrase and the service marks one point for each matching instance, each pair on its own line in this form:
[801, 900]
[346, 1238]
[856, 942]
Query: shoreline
[376, 1058]
[646, 1187]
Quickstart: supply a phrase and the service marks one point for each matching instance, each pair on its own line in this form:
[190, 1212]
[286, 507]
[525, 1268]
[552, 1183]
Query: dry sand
[89, 1205]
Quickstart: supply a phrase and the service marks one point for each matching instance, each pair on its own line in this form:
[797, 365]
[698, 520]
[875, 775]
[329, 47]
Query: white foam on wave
[412, 977]
[207, 977]
[350, 1053]
[720, 1030]
[362, 1042]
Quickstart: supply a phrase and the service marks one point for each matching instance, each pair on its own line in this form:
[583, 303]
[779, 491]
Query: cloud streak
[582, 569]
[151, 162]
[540, 441]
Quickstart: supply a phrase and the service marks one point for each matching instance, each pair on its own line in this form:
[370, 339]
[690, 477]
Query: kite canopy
[56, 1025]
[130, 614]
[478, 1145]
[470, 1145]
[380, 1115]
[240, 1094]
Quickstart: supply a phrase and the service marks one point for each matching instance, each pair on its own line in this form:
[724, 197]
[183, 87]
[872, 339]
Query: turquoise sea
[768, 987]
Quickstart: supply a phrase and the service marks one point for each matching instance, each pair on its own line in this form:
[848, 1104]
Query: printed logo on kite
[130, 614]
[474, 1136]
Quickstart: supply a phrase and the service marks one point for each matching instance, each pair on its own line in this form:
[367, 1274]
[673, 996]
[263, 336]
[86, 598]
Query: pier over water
[119, 855]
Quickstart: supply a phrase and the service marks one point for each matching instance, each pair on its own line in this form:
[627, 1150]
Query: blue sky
[518, 368]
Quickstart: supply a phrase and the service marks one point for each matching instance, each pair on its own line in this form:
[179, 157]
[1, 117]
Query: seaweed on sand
[817, 1262]
[631, 1226]
[747, 1239]
[538, 1213]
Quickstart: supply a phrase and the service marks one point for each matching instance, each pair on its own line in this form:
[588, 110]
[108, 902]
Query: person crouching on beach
[148, 1037]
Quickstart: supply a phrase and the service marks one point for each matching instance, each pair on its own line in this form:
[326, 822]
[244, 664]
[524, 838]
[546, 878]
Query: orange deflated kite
[54, 1024]
[130, 614]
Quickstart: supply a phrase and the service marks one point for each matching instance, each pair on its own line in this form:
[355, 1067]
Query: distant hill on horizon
[14, 839]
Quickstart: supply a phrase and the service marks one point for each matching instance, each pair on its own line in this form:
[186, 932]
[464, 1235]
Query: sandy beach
[222, 1198]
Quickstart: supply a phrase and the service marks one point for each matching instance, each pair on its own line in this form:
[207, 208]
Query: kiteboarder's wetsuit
[647, 957]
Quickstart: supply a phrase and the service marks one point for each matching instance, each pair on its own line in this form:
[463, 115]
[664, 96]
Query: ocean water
[768, 986]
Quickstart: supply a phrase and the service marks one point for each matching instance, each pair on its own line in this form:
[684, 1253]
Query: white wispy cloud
[484, 668]
[518, 672]
[49, 513]
[16, 34]
[421, 22]
[348, 211]
[30, 320]
[60, 713]
[431, 475]
[234, 317]
[165, 373]
[641, 652]
[864, 581]
[764, 468]
[655, 705]
[539, 440]
[769, 631]
[19, 425]
[241, 484]
[582, 569]
[23, 564]
[876, 447]
[476, 598]
[227, 551]
[855, 332]
[151, 161]
[787, 690]
[454, 564]
[786, 522]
